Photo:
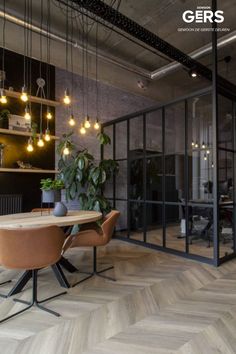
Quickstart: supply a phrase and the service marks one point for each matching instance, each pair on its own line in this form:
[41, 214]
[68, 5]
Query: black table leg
[67, 265]
[26, 276]
[60, 275]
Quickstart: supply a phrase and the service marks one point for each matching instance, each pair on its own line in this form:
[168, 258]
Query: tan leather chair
[31, 249]
[95, 237]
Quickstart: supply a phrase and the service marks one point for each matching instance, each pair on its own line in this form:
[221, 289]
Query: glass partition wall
[164, 188]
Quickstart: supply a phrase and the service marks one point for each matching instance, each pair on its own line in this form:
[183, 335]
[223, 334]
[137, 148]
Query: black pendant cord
[87, 69]
[3, 43]
[83, 53]
[40, 70]
[96, 65]
[48, 75]
[72, 64]
[24, 59]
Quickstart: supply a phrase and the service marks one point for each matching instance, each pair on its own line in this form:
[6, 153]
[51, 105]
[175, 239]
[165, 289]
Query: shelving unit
[35, 99]
[21, 133]
[27, 170]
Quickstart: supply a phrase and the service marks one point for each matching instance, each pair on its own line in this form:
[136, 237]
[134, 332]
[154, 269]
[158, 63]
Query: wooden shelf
[27, 170]
[21, 133]
[35, 99]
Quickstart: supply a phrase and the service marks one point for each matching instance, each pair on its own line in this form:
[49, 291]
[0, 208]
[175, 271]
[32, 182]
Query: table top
[36, 219]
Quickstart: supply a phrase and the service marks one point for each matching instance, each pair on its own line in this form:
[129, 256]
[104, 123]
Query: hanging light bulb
[47, 136]
[40, 142]
[30, 146]
[205, 157]
[82, 129]
[71, 120]
[96, 124]
[66, 151]
[212, 165]
[203, 145]
[208, 152]
[196, 145]
[49, 114]
[3, 97]
[27, 114]
[66, 98]
[24, 96]
[193, 143]
[87, 124]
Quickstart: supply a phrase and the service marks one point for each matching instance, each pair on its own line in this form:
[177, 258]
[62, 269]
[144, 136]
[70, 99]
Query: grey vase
[60, 209]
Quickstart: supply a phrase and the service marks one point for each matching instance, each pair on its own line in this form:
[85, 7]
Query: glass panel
[121, 181]
[154, 224]
[121, 140]
[108, 189]
[200, 149]
[108, 149]
[154, 132]
[154, 178]
[136, 179]
[121, 226]
[136, 134]
[201, 231]
[225, 119]
[226, 191]
[175, 239]
[174, 151]
[136, 221]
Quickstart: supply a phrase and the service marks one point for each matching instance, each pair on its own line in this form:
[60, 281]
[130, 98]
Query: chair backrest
[109, 224]
[31, 248]
[35, 210]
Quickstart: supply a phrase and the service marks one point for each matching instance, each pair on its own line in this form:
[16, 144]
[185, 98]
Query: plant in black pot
[51, 193]
[4, 118]
[83, 176]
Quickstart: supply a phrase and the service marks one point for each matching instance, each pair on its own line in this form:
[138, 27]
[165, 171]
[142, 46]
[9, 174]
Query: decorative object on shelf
[4, 119]
[2, 147]
[83, 177]
[26, 165]
[19, 123]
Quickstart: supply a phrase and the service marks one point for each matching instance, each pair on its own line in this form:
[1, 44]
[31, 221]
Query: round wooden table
[38, 219]
[41, 219]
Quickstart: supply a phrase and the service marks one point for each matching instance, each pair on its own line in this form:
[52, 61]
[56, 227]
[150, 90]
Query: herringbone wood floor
[159, 304]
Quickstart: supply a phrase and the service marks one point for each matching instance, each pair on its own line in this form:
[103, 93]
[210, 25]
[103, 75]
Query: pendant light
[66, 150]
[72, 120]
[87, 124]
[82, 129]
[27, 114]
[40, 142]
[3, 97]
[24, 95]
[49, 113]
[41, 84]
[97, 124]
[47, 136]
[30, 146]
[66, 98]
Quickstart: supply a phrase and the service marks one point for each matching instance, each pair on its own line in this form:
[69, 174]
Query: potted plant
[51, 190]
[83, 177]
[4, 119]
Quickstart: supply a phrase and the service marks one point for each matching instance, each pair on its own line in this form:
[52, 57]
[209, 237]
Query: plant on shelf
[51, 189]
[4, 118]
[84, 178]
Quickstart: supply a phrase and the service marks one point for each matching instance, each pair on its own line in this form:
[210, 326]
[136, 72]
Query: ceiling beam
[116, 18]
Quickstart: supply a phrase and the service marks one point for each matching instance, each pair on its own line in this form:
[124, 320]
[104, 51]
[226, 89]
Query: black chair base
[34, 301]
[95, 272]
[3, 283]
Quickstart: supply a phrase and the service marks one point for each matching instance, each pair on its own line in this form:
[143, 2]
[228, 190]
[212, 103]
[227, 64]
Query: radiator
[10, 203]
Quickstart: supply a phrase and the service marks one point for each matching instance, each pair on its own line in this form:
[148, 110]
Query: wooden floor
[159, 304]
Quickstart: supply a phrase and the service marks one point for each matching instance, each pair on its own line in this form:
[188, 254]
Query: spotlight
[193, 73]
[24, 96]
[72, 120]
[66, 98]
[3, 97]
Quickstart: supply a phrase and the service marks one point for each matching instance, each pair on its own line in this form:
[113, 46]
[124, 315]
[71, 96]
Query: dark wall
[27, 184]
